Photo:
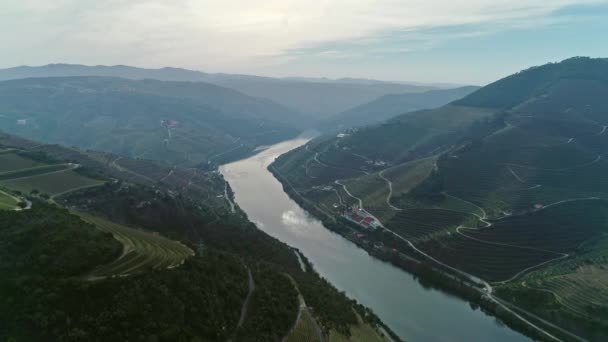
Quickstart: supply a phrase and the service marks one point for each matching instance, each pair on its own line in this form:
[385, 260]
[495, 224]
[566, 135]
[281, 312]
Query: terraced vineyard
[584, 292]
[560, 228]
[516, 196]
[424, 223]
[407, 175]
[141, 250]
[492, 262]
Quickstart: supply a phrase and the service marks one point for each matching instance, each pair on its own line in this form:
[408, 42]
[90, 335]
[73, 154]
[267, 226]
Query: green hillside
[146, 252]
[515, 195]
[178, 123]
[388, 106]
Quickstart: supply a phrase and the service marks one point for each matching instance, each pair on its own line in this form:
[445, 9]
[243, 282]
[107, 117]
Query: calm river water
[415, 313]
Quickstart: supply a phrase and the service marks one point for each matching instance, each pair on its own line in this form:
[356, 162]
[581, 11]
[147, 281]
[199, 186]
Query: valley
[434, 315]
[136, 238]
[498, 201]
[304, 171]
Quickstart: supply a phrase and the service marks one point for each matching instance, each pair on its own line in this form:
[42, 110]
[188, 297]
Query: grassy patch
[7, 202]
[12, 162]
[362, 332]
[54, 183]
[305, 330]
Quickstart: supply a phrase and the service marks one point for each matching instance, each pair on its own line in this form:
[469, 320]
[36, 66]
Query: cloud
[238, 35]
[291, 218]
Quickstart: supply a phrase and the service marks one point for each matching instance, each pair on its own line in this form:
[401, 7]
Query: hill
[315, 98]
[144, 251]
[177, 122]
[388, 106]
[504, 188]
[318, 100]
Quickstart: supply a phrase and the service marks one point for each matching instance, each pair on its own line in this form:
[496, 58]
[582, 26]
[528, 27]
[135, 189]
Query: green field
[53, 183]
[7, 202]
[305, 329]
[362, 332]
[12, 162]
[141, 250]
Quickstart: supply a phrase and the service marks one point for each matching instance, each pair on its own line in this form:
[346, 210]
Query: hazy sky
[474, 41]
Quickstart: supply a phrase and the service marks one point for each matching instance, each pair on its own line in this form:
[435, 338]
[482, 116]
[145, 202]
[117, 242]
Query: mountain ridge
[317, 99]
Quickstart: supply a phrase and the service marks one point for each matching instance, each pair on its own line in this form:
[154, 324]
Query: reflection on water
[412, 311]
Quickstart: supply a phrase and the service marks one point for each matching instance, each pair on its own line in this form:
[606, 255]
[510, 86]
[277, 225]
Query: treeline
[199, 301]
[48, 241]
[44, 256]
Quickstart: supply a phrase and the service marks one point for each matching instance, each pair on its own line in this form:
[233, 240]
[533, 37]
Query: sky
[449, 41]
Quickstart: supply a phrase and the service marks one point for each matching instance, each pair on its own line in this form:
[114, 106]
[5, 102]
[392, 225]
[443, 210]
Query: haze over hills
[316, 98]
[177, 122]
[507, 185]
[391, 105]
[303, 171]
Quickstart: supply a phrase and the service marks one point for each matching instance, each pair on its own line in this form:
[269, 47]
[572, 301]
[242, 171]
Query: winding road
[487, 290]
[390, 190]
[349, 194]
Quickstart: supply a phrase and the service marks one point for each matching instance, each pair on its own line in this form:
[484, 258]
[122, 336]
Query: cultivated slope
[506, 187]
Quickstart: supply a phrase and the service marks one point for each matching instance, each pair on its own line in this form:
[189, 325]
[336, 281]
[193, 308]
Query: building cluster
[362, 218]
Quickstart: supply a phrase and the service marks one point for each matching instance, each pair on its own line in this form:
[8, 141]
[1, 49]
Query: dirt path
[232, 208]
[168, 174]
[487, 290]
[390, 191]
[28, 203]
[515, 175]
[247, 299]
[303, 307]
[316, 159]
[115, 165]
[300, 261]
[349, 194]
[597, 159]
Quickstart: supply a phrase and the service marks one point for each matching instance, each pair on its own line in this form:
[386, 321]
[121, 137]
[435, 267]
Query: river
[413, 312]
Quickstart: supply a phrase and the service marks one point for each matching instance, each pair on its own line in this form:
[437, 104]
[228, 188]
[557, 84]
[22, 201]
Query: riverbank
[414, 310]
[426, 272]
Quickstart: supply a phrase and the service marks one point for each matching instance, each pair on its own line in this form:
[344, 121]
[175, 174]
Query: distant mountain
[317, 98]
[178, 122]
[391, 105]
